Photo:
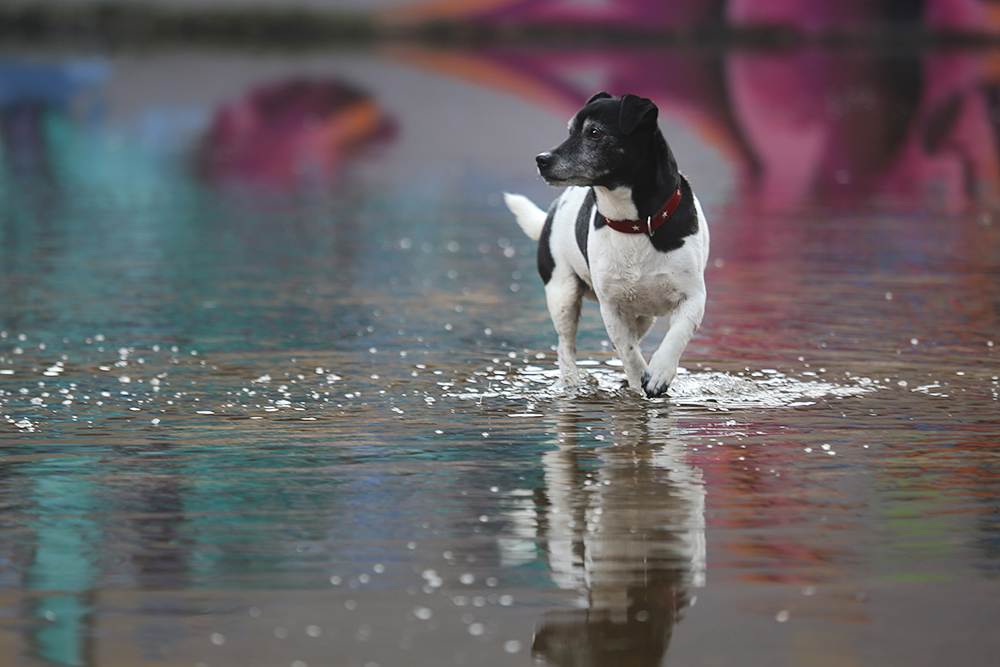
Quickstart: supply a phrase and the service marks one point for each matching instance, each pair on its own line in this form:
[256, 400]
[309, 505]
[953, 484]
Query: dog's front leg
[663, 365]
[624, 332]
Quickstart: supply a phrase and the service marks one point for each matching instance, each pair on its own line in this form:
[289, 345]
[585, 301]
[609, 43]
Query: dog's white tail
[529, 216]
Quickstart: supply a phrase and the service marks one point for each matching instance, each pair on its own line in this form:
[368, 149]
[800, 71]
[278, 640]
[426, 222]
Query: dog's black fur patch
[546, 262]
[587, 209]
[683, 223]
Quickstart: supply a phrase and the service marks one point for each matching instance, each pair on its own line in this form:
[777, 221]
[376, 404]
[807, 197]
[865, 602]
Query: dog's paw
[656, 385]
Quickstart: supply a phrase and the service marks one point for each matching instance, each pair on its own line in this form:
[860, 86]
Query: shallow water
[277, 380]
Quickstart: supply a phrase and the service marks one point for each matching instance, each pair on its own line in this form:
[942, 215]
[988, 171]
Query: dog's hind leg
[564, 296]
[663, 365]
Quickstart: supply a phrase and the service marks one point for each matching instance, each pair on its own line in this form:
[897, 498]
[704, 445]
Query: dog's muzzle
[547, 168]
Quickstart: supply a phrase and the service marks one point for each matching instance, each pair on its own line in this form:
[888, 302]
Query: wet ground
[277, 381]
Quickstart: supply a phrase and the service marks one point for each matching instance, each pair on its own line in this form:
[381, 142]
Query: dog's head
[611, 140]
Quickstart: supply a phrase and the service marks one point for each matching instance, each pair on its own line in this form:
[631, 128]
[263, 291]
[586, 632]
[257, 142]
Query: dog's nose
[543, 160]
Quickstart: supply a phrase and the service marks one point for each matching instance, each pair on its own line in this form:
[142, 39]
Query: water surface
[277, 380]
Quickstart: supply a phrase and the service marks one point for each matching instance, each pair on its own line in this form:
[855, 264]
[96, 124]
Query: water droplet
[218, 639]
[423, 613]
[782, 616]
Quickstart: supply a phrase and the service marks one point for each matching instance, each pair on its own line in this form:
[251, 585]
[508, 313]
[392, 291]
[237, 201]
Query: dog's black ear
[635, 111]
[599, 96]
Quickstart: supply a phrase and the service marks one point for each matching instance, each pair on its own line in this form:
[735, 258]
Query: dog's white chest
[628, 271]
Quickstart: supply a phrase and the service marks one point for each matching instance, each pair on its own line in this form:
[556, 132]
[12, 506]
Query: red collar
[652, 223]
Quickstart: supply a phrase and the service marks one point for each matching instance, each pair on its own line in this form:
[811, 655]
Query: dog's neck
[620, 203]
[658, 180]
[616, 204]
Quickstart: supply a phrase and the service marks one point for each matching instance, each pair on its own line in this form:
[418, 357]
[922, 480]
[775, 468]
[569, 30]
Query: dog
[628, 232]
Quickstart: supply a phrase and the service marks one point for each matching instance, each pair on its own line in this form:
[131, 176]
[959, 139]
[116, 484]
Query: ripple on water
[712, 389]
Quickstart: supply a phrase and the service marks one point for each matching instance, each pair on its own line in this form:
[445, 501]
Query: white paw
[656, 383]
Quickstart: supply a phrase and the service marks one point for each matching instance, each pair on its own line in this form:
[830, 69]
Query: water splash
[712, 389]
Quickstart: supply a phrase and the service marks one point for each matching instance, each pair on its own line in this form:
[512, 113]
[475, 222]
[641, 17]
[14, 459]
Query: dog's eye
[594, 133]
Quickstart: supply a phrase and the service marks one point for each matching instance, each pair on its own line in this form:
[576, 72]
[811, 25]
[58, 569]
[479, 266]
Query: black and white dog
[628, 232]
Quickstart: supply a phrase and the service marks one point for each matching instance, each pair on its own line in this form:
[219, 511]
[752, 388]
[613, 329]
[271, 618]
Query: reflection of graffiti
[624, 526]
[830, 128]
[801, 127]
[291, 133]
[804, 127]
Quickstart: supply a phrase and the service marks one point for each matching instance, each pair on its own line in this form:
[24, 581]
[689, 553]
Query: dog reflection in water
[624, 525]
